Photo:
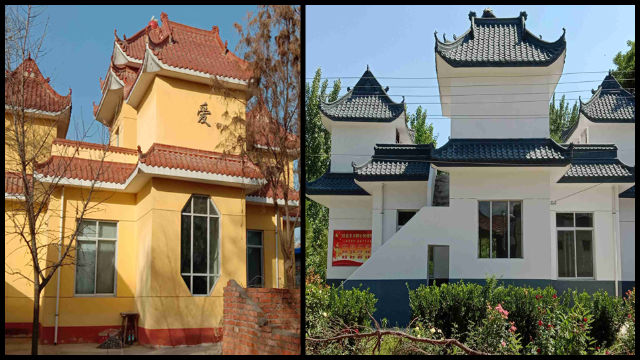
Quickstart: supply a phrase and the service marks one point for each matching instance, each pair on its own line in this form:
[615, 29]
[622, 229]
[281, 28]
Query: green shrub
[626, 342]
[330, 309]
[353, 306]
[607, 313]
[524, 305]
[451, 308]
[496, 334]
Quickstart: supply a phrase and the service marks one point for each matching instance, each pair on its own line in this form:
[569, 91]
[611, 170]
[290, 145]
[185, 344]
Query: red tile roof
[13, 183]
[85, 169]
[38, 93]
[177, 157]
[158, 155]
[267, 192]
[186, 47]
[262, 132]
[88, 145]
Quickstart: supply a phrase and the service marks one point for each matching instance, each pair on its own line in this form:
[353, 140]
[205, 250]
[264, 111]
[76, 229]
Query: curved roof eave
[151, 64]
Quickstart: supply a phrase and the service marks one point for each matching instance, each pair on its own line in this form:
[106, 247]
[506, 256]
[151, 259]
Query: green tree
[625, 72]
[423, 132]
[561, 117]
[317, 148]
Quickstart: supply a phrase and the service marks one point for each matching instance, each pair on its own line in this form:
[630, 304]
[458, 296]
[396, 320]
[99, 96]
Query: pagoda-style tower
[497, 78]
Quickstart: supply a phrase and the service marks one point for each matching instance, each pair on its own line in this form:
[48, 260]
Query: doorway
[438, 264]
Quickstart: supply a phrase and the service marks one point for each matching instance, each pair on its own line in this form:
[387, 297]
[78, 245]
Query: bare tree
[269, 135]
[28, 140]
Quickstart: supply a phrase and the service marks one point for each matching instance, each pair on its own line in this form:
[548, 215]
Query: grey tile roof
[499, 42]
[610, 103]
[335, 184]
[366, 102]
[393, 170]
[591, 151]
[629, 193]
[479, 152]
[598, 171]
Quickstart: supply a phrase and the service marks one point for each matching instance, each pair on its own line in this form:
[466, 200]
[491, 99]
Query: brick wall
[261, 321]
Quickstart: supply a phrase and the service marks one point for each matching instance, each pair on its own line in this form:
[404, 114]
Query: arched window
[200, 245]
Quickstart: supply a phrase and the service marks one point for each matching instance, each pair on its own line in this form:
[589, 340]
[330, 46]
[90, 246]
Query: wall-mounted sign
[351, 247]
[203, 113]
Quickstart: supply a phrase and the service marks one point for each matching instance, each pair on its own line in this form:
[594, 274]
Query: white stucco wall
[404, 255]
[346, 214]
[355, 141]
[502, 101]
[628, 238]
[620, 134]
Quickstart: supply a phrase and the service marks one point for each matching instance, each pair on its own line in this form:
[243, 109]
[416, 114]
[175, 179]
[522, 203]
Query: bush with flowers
[496, 334]
[626, 342]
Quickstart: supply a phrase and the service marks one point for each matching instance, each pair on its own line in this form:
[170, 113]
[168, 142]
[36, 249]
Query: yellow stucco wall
[126, 126]
[40, 133]
[148, 244]
[147, 258]
[168, 114]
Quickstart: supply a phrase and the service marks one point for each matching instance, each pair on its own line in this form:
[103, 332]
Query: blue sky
[79, 43]
[397, 41]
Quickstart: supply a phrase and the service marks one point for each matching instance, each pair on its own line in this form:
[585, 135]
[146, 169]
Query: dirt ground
[22, 346]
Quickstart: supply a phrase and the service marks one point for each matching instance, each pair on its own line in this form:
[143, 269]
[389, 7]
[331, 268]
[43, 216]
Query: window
[200, 245]
[255, 277]
[403, 217]
[500, 229]
[95, 258]
[575, 245]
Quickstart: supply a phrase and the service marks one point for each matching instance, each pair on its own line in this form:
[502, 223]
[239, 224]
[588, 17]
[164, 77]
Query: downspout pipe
[55, 331]
[614, 235]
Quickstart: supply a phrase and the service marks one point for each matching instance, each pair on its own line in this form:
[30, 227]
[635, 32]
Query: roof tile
[498, 42]
[366, 102]
[38, 93]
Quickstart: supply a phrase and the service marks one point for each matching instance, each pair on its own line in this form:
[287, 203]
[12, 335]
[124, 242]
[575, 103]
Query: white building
[610, 117]
[521, 207]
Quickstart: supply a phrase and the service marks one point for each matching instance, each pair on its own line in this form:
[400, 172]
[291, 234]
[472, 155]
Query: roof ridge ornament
[472, 14]
[523, 14]
[488, 13]
[367, 67]
[386, 89]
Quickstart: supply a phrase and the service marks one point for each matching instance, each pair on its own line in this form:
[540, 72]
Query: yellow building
[172, 219]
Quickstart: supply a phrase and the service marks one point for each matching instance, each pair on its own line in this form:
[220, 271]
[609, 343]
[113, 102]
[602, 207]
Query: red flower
[540, 322]
[538, 297]
[597, 347]
[629, 316]
[357, 332]
[607, 352]
[554, 296]
[539, 351]
[585, 320]
[549, 326]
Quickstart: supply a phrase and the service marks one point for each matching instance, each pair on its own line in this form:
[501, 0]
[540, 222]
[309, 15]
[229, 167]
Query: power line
[467, 77]
[483, 94]
[510, 84]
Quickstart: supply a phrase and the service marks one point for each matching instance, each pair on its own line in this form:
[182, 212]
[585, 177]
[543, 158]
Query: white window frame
[115, 260]
[398, 211]
[491, 230]
[208, 215]
[575, 248]
[261, 247]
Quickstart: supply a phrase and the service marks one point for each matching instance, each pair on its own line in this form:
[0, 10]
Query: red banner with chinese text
[351, 247]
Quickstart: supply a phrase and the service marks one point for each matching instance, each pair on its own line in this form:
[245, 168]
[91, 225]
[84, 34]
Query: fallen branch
[379, 333]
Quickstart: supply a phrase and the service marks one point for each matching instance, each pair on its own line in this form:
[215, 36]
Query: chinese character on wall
[203, 113]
